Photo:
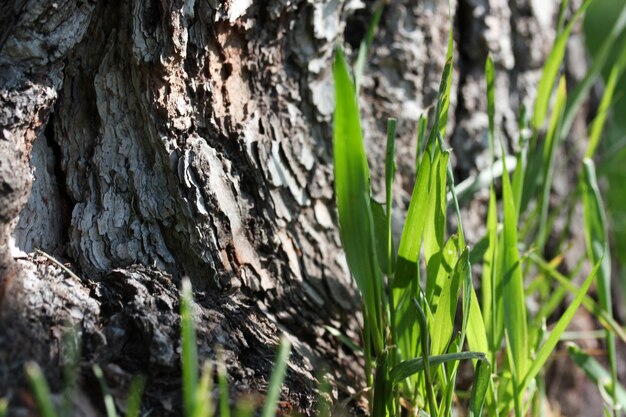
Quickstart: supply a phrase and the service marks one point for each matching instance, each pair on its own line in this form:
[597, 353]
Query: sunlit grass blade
[491, 293]
[412, 366]
[476, 333]
[551, 69]
[135, 392]
[40, 388]
[548, 347]
[361, 60]
[482, 379]
[222, 381]
[276, 380]
[434, 229]
[598, 250]
[549, 150]
[597, 373]
[352, 188]
[513, 297]
[4, 407]
[189, 356]
[411, 240]
[109, 404]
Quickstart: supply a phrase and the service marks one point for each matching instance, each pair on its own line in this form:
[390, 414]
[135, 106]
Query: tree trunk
[144, 141]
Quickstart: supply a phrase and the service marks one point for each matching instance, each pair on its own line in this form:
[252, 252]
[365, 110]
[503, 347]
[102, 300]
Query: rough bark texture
[143, 141]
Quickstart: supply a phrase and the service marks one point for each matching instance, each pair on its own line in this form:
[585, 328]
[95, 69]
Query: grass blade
[482, 380]
[390, 172]
[411, 240]
[222, 381]
[4, 406]
[551, 69]
[412, 366]
[135, 392]
[109, 404]
[448, 300]
[352, 188]
[597, 126]
[189, 355]
[577, 98]
[425, 342]
[548, 347]
[549, 148]
[276, 380]
[361, 60]
[203, 395]
[512, 281]
[41, 390]
[491, 106]
[598, 250]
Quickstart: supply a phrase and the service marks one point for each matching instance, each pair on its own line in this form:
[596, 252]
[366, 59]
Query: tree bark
[144, 141]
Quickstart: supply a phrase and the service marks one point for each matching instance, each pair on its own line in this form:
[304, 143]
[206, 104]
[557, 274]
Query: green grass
[418, 288]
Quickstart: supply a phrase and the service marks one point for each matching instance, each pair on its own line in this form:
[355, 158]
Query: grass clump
[410, 295]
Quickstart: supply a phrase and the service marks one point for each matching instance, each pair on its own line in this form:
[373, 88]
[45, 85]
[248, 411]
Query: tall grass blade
[109, 404]
[551, 69]
[390, 172]
[276, 380]
[189, 356]
[491, 106]
[598, 250]
[4, 406]
[446, 80]
[434, 230]
[512, 283]
[41, 390]
[549, 149]
[492, 304]
[577, 98]
[352, 188]
[411, 240]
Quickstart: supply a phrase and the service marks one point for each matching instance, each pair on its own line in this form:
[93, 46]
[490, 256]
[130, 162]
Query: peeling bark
[183, 138]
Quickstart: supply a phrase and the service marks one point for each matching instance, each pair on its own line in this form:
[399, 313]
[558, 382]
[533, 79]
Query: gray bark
[144, 141]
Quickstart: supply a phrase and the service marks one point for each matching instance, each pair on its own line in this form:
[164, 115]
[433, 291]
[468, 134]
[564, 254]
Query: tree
[170, 139]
